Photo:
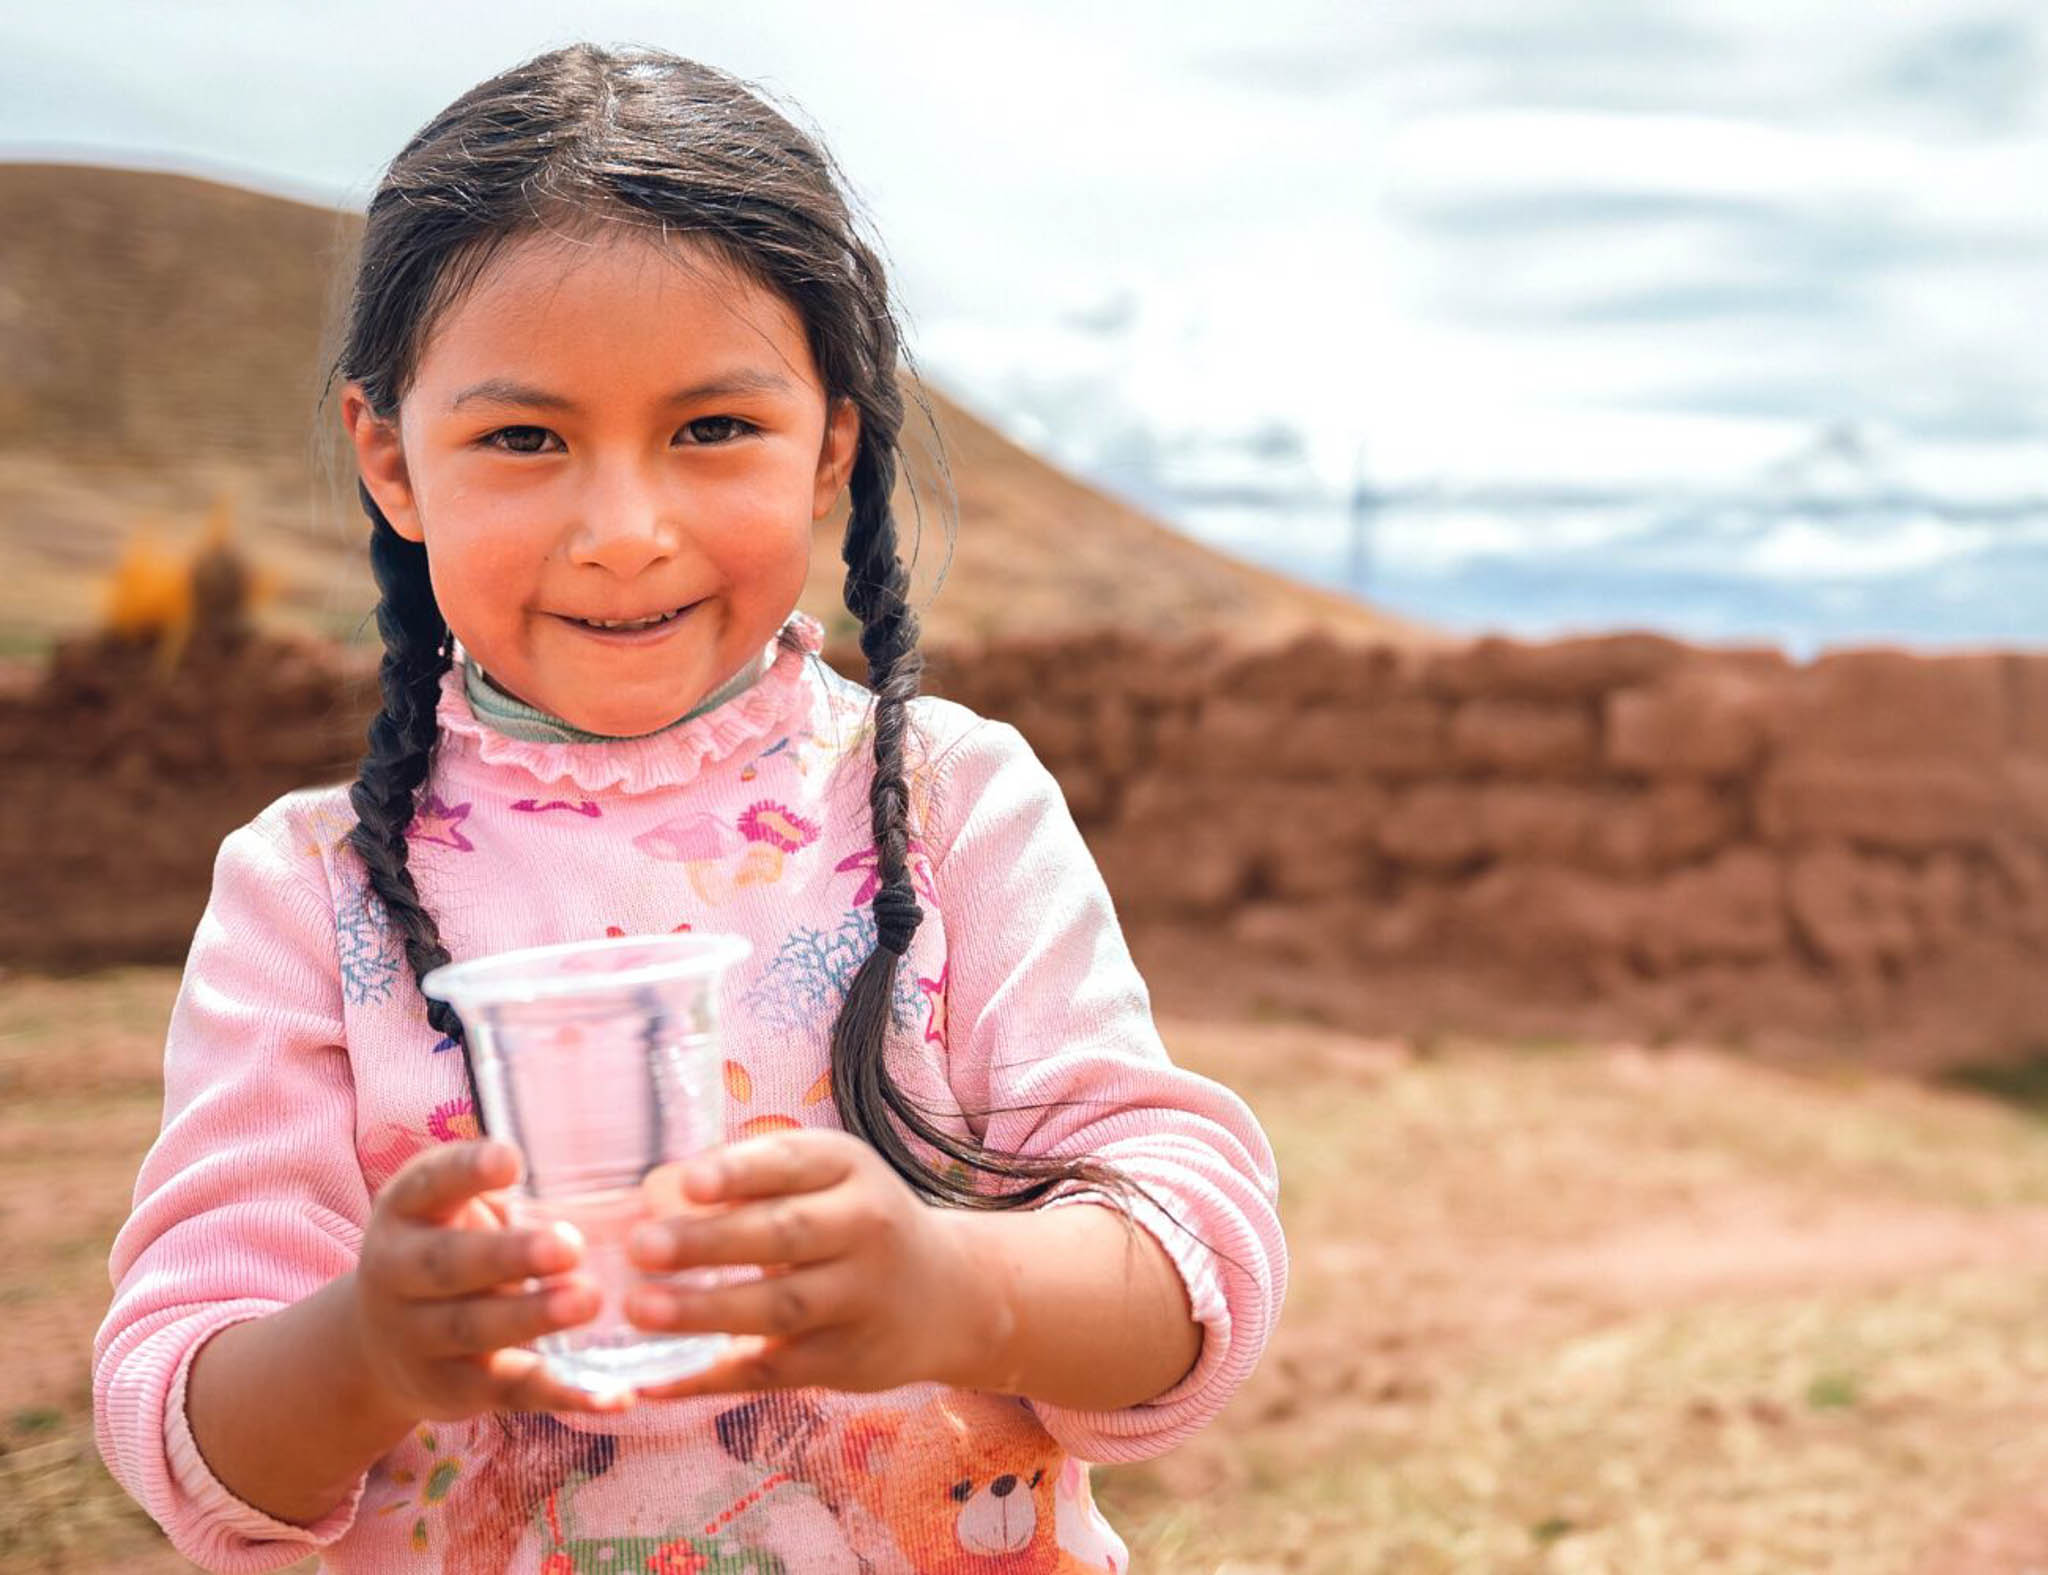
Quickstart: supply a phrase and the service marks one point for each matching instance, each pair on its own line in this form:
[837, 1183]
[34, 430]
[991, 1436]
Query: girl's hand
[440, 1302]
[866, 1286]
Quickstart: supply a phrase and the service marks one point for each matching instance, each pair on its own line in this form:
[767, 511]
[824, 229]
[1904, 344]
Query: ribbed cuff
[211, 1499]
[1151, 1427]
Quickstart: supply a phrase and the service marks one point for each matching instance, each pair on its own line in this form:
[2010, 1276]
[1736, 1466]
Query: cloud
[1787, 299]
[1570, 214]
[1611, 54]
[1983, 75]
[1113, 314]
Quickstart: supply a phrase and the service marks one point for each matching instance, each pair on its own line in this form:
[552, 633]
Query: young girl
[614, 347]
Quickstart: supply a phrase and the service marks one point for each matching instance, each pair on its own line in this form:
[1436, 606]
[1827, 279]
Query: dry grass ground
[1565, 1310]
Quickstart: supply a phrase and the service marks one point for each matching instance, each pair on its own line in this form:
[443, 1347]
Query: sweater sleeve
[1050, 1030]
[250, 1199]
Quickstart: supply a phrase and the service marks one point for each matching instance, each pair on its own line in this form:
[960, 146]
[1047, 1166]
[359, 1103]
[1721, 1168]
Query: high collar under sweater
[652, 761]
[509, 714]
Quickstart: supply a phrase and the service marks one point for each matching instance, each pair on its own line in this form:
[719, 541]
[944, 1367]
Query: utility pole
[1363, 507]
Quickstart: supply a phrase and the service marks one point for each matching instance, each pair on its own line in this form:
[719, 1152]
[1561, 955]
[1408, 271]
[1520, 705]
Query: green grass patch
[1832, 1392]
[2022, 1083]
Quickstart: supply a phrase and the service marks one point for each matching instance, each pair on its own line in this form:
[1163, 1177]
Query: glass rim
[502, 977]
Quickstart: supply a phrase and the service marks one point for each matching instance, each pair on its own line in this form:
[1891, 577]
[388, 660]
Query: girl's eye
[521, 433]
[726, 429]
[722, 430]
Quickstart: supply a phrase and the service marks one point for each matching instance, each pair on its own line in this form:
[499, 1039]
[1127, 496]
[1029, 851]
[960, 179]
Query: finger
[810, 1227]
[434, 1262]
[799, 1302]
[762, 1167]
[433, 1186]
[476, 1325]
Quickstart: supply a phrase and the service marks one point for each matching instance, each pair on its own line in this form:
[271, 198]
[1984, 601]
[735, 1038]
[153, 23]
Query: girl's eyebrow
[507, 391]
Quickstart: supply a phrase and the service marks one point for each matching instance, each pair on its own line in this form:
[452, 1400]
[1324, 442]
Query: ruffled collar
[668, 758]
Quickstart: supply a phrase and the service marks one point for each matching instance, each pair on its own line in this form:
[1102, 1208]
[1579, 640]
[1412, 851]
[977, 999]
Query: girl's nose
[626, 523]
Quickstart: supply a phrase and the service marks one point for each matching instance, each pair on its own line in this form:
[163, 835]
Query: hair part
[568, 142]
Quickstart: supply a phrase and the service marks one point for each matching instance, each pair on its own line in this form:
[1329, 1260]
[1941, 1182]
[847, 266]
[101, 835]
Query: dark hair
[582, 136]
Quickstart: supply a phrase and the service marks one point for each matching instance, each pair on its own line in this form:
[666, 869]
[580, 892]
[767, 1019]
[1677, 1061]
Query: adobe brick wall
[1615, 835]
[118, 780]
[1621, 835]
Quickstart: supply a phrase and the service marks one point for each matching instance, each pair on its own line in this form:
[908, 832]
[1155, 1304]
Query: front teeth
[619, 623]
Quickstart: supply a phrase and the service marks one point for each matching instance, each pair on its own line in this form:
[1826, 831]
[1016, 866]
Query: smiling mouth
[627, 624]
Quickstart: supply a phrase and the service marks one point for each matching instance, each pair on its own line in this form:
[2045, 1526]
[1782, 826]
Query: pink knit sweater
[300, 1073]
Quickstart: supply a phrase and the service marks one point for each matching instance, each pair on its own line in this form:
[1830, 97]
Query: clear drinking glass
[599, 1061]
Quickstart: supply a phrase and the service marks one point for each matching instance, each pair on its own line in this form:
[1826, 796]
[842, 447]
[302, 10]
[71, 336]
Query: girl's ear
[381, 462]
[835, 457]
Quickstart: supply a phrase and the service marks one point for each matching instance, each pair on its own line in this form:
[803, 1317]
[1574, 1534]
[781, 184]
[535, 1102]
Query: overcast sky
[1637, 243]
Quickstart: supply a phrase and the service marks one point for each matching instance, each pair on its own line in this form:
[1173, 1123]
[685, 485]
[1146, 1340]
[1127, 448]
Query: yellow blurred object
[150, 591]
[161, 597]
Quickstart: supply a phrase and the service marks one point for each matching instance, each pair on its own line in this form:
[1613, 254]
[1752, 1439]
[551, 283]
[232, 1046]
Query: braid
[535, 1456]
[868, 1096]
[417, 651]
[877, 587]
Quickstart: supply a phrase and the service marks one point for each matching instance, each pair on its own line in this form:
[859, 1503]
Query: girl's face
[604, 431]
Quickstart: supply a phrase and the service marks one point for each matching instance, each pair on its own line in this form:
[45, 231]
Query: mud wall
[1619, 835]
[124, 765]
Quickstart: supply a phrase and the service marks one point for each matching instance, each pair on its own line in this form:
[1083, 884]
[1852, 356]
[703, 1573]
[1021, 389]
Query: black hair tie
[897, 916]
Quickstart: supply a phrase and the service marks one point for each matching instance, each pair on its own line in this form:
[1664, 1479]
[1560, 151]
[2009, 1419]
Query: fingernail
[650, 1243]
[557, 1248]
[572, 1304]
[652, 1304]
[703, 1176]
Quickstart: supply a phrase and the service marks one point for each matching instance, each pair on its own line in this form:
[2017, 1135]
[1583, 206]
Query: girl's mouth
[626, 628]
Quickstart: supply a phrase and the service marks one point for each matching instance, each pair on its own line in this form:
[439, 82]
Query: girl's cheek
[493, 575]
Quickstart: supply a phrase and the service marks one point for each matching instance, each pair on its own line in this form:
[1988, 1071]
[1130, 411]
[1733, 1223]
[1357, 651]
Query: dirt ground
[1560, 1309]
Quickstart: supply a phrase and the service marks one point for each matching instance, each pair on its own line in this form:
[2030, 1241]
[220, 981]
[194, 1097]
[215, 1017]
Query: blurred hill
[163, 340]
